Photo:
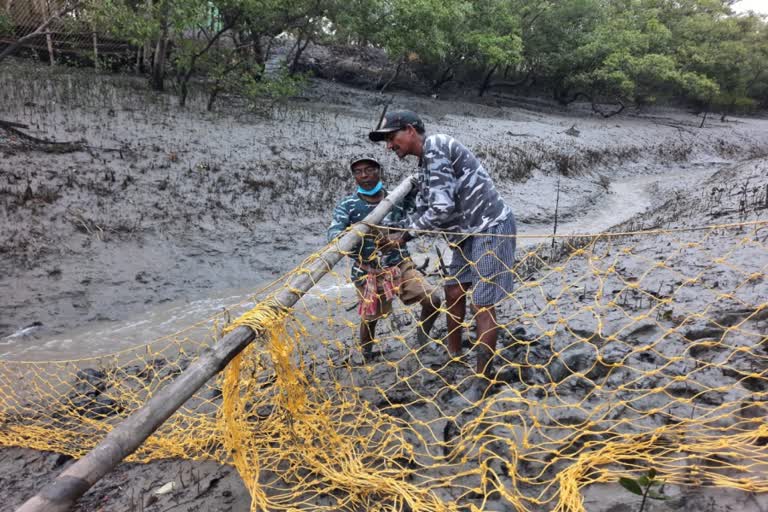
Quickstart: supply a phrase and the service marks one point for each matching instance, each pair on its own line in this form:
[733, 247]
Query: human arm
[339, 223]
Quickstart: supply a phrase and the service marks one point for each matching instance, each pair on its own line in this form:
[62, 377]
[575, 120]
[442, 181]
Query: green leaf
[651, 473]
[631, 485]
[657, 496]
[6, 25]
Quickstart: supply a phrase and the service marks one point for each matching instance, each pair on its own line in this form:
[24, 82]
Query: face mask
[375, 190]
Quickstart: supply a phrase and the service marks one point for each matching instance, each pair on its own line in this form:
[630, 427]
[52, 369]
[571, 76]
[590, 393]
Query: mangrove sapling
[643, 487]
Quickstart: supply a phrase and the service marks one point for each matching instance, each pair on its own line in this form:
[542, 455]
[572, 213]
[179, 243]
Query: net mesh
[617, 353]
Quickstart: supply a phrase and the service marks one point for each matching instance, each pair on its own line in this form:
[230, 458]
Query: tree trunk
[394, 75]
[158, 63]
[188, 75]
[158, 66]
[487, 80]
[446, 76]
[704, 120]
[258, 51]
[212, 97]
[184, 91]
[262, 55]
[560, 94]
[299, 50]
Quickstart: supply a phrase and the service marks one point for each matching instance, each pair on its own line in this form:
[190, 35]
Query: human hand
[394, 241]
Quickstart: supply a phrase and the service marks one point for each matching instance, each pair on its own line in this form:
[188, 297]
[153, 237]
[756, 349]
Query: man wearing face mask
[380, 276]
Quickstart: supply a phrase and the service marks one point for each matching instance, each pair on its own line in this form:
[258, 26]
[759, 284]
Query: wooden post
[49, 41]
[95, 51]
[61, 494]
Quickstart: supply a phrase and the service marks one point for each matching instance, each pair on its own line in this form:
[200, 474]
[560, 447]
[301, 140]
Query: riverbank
[170, 216]
[170, 209]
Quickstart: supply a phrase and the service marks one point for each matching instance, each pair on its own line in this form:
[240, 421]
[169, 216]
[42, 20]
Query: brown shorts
[413, 288]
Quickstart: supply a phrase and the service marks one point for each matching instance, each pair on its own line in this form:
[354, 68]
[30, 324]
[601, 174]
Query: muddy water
[625, 198]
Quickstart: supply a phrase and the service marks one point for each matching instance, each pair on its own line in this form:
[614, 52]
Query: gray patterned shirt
[455, 192]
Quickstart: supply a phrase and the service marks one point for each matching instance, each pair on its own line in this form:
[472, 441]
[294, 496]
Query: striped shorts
[483, 263]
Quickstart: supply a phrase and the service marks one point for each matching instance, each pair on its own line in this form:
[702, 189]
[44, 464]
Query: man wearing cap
[380, 275]
[457, 197]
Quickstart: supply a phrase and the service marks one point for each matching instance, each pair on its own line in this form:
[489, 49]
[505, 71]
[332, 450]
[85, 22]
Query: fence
[65, 37]
[619, 353]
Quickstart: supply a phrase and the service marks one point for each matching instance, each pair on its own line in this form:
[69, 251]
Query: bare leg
[456, 301]
[429, 314]
[487, 333]
[367, 333]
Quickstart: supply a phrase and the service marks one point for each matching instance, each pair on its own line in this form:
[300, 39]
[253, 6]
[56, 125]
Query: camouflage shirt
[352, 209]
[455, 192]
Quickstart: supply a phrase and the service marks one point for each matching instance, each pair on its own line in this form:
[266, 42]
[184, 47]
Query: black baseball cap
[364, 159]
[394, 121]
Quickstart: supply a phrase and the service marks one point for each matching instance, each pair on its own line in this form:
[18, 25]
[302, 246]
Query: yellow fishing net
[618, 353]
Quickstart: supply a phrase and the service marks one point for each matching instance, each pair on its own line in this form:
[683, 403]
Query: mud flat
[168, 216]
[169, 208]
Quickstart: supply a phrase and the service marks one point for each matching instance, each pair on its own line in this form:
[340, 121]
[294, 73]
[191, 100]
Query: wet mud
[166, 207]
[164, 216]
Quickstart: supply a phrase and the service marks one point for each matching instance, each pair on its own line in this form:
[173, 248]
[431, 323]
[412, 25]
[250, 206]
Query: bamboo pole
[61, 494]
[292, 292]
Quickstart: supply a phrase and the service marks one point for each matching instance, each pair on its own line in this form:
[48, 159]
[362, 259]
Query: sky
[760, 6]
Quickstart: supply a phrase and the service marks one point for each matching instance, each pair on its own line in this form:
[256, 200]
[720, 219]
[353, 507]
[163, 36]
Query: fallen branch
[14, 125]
[51, 145]
[14, 129]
